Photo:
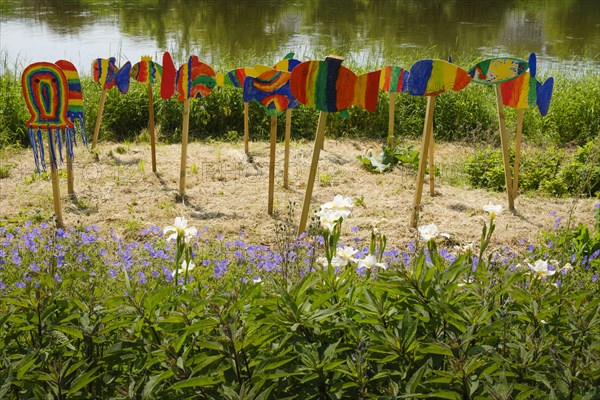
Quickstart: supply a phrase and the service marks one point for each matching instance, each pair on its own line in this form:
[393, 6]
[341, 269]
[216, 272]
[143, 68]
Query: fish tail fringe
[40, 143]
[59, 143]
[52, 149]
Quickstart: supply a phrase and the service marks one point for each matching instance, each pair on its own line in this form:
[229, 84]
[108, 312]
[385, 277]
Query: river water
[564, 34]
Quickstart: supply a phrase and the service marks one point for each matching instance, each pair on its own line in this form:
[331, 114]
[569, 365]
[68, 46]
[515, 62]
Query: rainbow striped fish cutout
[497, 70]
[195, 79]
[46, 91]
[106, 73]
[146, 71]
[75, 109]
[393, 79]
[432, 77]
[329, 86]
[526, 91]
[271, 90]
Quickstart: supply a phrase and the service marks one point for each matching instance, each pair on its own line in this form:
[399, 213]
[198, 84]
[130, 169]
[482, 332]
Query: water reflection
[366, 31]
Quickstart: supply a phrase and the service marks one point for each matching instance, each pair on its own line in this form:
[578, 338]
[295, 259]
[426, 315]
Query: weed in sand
[5, 171]
[325, 180]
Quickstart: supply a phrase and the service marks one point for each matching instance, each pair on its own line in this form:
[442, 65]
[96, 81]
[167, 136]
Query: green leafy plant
[389, 157]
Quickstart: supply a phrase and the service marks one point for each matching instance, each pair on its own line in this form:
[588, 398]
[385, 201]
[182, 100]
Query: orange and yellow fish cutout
[526, 91]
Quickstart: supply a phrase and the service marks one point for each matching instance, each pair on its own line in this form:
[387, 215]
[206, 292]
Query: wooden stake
[431, 164]
[319, 139]
[427, 127]
[55, 187]
[70, 178]
[99, 118]
[184, 144]
[272, 163]
[505, 154]
[518, 140]
[246, 127]
[390, 138]
[151, 127]
[286, 154]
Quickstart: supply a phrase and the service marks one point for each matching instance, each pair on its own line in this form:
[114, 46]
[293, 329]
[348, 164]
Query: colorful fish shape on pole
[236, 77]
[106, 73]
[328, 86]
[288, 63]
[75, 109]
[195, 80]
[497, 70]
[432, 77]
[46, 91]
[146, 71]
[271, 90]
[526, 91]
[393, 79]
[168, 83]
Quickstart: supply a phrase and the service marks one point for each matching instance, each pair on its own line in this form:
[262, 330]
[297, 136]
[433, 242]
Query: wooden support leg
[272, 163]
[151, 127]
[99, 118]
[518, 140]
[428, 126]
[390, 138]
[505, 152]
[286, 154]
[70, 178]
[319, 139]
[431, 163]
[246, 128]
[184, 144]
[55, 185]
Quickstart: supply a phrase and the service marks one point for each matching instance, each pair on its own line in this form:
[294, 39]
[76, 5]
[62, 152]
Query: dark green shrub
[13, 111]
[582, 174]
[485, 169]
[538, 170]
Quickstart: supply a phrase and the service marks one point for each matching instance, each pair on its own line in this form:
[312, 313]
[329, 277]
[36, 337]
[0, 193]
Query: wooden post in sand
[286, 154]
[99, 118]
[151, 126]
[431, 163]
[70, 178]
[272, 163]
[518, 140]
[246, 128]
[427, 128]
[184, 144]
[319, 139]
[55, 184]
[390, 138]
[505, 152]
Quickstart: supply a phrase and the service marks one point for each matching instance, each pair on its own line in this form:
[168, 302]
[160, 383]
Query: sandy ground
[228, 192]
